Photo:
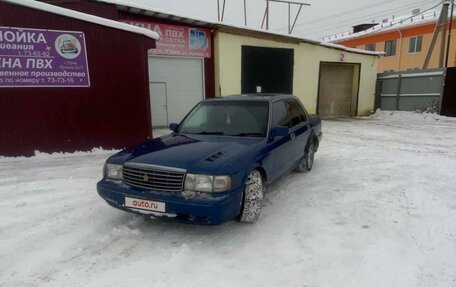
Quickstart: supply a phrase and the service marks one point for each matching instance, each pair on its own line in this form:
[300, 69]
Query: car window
[296, 112]
[229, 118]
[198, 118]
[279, 115]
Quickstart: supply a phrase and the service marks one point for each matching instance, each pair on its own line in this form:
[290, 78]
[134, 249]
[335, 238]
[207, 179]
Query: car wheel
[308, 159]
[253, 197]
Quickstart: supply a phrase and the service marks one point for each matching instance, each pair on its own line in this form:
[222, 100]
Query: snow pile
[377, 209]
[64, 155]
[94, 151]
[409, 116]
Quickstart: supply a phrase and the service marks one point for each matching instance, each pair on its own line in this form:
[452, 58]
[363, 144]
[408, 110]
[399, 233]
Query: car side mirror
[280, 131]
[173, 126]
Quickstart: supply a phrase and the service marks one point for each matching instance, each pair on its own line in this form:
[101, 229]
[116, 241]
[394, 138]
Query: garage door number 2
[341, 57]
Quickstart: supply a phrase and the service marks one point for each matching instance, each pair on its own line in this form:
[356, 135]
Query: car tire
[253, 197]
[307, 160]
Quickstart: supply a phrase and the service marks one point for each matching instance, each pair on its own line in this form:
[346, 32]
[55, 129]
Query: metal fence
[411, 91]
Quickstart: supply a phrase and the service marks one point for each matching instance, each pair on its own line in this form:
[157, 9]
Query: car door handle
[293, 136]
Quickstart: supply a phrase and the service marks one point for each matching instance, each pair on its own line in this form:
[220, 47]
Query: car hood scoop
[216, 156]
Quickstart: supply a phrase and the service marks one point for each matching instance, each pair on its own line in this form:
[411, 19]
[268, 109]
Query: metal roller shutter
[336, 95]
[176, 85]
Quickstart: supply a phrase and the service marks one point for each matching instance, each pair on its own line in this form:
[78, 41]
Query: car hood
[195, 153]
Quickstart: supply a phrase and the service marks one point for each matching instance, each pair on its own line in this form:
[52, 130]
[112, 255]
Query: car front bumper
[198, 208]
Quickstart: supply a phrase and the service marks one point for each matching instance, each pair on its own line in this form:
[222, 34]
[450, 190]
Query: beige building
[330, 80]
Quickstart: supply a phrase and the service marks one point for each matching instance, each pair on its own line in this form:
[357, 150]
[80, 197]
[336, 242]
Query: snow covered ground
[378, 209]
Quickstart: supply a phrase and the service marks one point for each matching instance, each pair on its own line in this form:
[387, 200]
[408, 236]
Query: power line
[378, 14]
[405, 19]
[332, 16]
[370, 16]
[348, 12]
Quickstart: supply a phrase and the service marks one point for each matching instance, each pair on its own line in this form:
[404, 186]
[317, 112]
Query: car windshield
[228, 118]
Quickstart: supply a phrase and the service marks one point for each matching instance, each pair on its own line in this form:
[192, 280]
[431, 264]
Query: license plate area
[143, 204]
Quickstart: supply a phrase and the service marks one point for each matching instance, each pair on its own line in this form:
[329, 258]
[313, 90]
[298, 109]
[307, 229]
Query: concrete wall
[227, 49]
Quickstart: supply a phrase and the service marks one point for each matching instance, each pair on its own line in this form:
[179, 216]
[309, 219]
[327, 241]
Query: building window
[390, 48]
[370, 47]
[415, 44]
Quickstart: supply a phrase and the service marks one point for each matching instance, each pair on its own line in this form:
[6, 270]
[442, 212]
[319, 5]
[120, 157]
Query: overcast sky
[322, 18]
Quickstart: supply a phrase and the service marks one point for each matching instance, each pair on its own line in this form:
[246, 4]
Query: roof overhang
[351, 50]
[83, 17]
[134, 8]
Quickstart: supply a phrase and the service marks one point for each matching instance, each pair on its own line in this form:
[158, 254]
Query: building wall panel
[306, 68]
[112, 113]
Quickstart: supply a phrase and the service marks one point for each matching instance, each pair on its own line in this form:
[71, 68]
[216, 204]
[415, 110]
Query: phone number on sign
[58, 80]
[34, 53]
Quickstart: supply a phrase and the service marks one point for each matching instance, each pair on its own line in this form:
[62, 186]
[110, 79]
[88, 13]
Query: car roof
[252, 97]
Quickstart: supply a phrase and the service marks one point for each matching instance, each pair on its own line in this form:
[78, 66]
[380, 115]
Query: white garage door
[176, 85]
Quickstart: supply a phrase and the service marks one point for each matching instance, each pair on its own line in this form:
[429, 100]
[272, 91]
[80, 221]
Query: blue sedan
[217, 162]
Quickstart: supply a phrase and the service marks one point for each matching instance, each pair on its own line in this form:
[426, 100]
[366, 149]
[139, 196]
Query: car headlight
[207, 183]
[113, 171]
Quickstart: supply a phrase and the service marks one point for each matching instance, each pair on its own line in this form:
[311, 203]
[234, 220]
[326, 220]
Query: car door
[280, 147]
[299, 129]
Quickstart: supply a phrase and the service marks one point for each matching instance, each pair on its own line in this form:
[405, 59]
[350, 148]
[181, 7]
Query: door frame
[358, 83]
[166, 101]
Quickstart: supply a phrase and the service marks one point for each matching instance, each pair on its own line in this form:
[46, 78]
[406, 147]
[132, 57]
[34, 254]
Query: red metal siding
[209, 72]
[101, 9]
[113, 113]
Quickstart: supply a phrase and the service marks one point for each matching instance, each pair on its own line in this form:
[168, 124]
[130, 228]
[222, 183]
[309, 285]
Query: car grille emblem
[145, 178]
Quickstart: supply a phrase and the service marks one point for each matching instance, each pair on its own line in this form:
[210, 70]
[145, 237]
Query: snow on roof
[297, 38]
[306, 40]
[354, 50]
[148, 11]
[388, 25]
[84, 17]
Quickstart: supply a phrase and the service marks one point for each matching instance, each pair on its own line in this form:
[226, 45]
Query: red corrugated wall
[113, 113]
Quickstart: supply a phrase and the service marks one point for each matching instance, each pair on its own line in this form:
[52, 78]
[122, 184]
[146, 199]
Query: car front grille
[153, 177]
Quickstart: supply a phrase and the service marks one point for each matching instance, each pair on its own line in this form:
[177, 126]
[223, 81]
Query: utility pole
[446, 4]
[449, 34]
[440, 25]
